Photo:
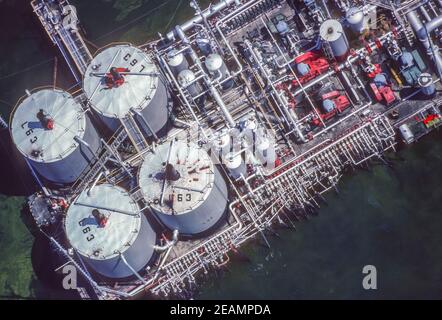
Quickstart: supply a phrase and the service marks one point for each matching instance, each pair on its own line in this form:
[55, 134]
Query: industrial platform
[165, 158]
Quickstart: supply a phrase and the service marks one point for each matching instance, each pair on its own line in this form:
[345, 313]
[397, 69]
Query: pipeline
[198, 19]
[423, 34]
[168, 244]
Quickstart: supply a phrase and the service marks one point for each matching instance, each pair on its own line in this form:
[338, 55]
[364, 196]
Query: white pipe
[207, 13]
[132, 269]
[168, 243]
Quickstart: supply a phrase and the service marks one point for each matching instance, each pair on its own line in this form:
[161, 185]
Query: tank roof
[331, 30]
[185, 77]
[196, 177]
[214, 62]
[120, 231]
[175, 58]
[136, 90]
[41, 144]
[354, 15]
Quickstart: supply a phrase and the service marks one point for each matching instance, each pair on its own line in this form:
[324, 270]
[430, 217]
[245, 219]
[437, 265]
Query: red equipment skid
[340, 100]
[383, 94]
[316, 63]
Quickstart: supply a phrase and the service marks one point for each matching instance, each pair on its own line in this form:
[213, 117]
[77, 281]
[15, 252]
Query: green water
[389, 218]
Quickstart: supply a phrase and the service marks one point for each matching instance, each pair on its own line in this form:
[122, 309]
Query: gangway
[134, 133]
[60, 21]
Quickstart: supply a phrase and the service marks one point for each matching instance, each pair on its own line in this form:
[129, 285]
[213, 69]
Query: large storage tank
[184, 188]
[332, 33]
[105, 226]
[44, 127]
[138, 87]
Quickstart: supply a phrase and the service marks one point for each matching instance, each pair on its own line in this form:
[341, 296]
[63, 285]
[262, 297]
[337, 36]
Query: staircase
[134, 133]
[409, 35]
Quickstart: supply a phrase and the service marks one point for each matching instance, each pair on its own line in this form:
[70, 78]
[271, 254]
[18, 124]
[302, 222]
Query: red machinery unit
[382, 90]
[340, 103]
[383, 93]
[316, 66]
[340, 100]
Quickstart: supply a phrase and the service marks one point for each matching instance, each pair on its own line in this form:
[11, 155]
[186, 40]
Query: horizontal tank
[331, 32]
[406, 133]
[48, 128]
[105, 226]
[183, 187]
[123, 79]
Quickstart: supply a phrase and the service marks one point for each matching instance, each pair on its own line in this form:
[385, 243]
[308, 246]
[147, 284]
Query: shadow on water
[16, 179]
[45, 260]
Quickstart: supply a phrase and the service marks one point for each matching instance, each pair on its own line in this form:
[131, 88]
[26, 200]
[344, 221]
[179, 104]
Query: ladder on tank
[327, 51]
[134, 132]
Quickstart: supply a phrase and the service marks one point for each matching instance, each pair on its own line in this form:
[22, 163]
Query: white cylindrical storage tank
[249, 132]
[142, 90]
[331, 32]
[184, 188]
[235, 164]
[185, 79]
[218, 69]
[426, 83]
[44, 127]
[266, 152]
[355, 19]
[106, 227]
[177, 61]
[222, 144]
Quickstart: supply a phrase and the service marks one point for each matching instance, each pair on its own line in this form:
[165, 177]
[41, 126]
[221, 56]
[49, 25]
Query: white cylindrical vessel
[47, 127]
[222, 144]
[218, 69]
[186, 79]
[331, 32]
[235, 164]
[355, 19]
[184, 188]
[266, 152]
[427, 85]
[110, 242]
[177, 61]
[142, 90]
